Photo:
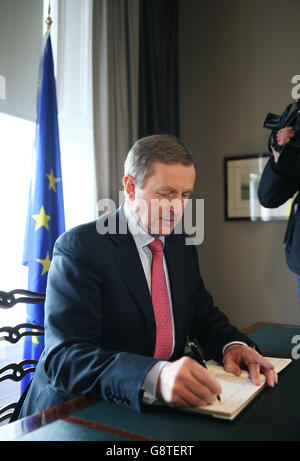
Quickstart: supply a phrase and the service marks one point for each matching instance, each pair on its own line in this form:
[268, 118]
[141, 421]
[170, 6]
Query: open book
[237, 391]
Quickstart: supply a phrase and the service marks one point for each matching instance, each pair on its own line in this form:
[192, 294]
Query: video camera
[289, 158]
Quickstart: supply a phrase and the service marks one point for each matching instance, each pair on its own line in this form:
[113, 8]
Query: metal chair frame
[17, 371]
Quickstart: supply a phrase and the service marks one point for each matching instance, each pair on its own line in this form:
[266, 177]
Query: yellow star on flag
[41, 219]
[35, 338]
[52, 181]
[45, 263]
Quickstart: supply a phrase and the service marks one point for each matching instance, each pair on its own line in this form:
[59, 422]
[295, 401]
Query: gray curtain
[115, 89]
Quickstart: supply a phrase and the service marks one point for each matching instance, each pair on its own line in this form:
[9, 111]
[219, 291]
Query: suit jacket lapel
[131, 269]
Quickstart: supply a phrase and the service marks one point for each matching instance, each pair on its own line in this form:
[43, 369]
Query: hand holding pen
[199, 356]
[185, 382]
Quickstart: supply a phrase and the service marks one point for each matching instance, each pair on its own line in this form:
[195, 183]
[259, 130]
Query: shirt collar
[141, 237]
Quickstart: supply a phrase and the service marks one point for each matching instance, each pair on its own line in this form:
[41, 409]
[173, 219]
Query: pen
[199, 357]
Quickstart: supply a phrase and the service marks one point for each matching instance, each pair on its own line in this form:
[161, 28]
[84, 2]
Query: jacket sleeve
[276, 188]
[75, 360]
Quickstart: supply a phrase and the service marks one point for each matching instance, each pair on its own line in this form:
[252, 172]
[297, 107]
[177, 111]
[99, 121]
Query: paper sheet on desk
[237, 391]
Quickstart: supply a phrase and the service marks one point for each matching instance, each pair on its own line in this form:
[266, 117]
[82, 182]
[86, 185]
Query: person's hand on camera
[283, 136]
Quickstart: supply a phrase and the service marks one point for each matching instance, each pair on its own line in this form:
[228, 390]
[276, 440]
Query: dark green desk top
[62, 431]
[273, 415]
[275, 338]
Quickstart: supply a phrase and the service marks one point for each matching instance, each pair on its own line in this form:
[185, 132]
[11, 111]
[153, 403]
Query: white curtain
[115, 90]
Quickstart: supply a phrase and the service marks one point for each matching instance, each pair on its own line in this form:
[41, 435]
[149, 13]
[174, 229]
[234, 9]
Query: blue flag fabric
[45, 216]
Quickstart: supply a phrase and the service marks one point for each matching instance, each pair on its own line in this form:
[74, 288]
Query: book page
[237, 391]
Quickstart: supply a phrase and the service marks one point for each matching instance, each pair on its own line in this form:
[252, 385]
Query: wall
[237, 58]
[21, 40]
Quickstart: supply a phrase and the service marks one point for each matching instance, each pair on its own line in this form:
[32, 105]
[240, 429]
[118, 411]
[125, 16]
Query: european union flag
[45, 217]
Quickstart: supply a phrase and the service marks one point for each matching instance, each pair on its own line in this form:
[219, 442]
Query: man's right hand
[187, 383]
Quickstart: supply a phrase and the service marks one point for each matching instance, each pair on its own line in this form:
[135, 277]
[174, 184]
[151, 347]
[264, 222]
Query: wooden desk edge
[259, 325]
[26, 425]
[64, 411]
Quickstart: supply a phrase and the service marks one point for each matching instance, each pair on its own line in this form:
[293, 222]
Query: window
[16, 144]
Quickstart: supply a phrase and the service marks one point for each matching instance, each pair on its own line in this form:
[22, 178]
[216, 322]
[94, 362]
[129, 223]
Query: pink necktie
[161, 304]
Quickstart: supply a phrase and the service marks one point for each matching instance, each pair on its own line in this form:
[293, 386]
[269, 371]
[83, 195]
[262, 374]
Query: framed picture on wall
[241, 179]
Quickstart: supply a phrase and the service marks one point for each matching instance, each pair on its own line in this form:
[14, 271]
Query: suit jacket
[99, 320]
[276, 188]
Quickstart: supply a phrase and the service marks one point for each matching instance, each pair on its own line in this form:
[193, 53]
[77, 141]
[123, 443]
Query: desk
[273, 415]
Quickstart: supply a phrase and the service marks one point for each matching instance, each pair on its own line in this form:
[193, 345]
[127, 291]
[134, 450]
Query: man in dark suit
[119, 310]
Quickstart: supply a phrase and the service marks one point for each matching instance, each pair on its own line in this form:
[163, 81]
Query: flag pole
[49, 20]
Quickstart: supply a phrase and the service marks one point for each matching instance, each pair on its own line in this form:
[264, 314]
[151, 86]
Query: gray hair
[156, 148]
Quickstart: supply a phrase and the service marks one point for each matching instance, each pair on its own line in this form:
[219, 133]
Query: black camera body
[289, 158]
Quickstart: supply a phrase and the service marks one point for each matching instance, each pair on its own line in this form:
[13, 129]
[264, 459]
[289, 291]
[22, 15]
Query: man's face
[159, 205]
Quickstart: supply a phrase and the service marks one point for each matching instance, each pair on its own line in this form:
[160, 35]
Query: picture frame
[241, 181]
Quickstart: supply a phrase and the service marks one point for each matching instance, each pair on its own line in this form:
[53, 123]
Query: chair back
[17, 371]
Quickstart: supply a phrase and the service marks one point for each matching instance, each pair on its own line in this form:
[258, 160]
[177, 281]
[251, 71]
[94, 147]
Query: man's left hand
[238, 357]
